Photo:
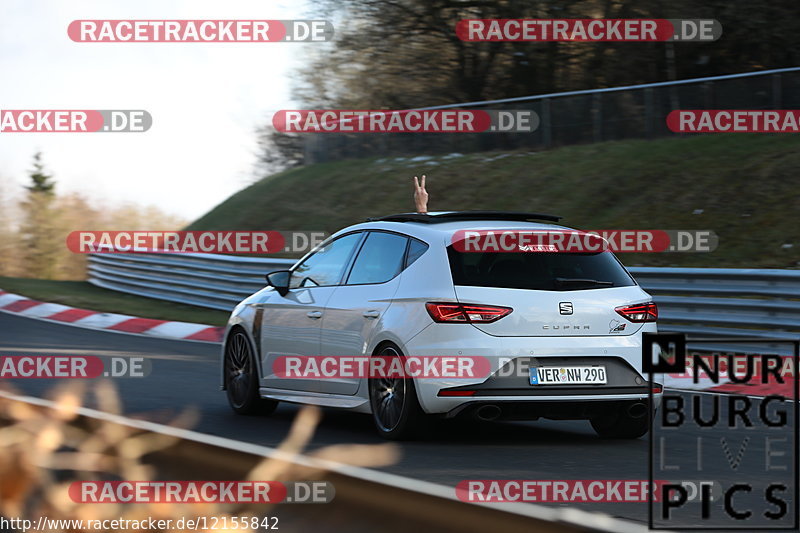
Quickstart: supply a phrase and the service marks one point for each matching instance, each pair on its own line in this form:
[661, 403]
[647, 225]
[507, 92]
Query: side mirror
[280, 280]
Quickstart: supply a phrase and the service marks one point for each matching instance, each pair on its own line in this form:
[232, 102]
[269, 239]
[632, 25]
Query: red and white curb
[755, 387]
[20, 305]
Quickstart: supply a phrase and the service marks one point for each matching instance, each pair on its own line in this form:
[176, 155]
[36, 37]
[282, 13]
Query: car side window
[324, 268]
[379, 260]
[415, 250]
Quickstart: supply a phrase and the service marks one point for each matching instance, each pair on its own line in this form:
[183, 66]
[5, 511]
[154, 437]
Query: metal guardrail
[205, 280]
[365, 500]
[707, 302]
[727, 302]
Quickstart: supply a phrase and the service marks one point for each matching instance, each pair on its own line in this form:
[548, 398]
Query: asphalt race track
[185, 378]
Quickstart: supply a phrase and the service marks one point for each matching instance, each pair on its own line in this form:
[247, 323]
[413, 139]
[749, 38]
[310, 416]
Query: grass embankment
[745, 187]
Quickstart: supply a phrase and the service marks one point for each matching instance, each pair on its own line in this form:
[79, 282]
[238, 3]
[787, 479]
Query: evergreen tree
[40, 180]
[39, 229]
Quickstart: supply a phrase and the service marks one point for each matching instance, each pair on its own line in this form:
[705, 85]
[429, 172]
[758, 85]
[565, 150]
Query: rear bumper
[553, 410]
[509, 358]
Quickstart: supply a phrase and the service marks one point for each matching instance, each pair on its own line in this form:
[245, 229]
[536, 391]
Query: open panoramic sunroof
[453, 216]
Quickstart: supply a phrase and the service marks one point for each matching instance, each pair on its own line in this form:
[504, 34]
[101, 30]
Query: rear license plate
[568, 375]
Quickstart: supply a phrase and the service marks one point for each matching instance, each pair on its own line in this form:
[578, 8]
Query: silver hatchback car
[559, 334]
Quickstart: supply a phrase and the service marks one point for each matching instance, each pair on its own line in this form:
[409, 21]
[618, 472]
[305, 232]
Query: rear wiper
[580, 281]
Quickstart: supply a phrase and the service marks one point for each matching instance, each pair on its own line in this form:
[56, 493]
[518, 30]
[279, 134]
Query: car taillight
[455, 393]
[647, 312]
[465, 313]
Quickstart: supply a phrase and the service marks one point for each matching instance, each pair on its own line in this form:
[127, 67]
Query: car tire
[621, 425]
[395, 408]
[241, 377]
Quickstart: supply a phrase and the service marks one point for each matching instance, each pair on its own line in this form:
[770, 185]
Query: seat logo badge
[565, 308]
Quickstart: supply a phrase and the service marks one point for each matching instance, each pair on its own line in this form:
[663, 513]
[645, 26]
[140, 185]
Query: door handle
[371, 314]
[314, 314]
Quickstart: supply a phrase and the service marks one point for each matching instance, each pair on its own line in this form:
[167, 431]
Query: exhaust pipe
[637, 410]
[488, 413]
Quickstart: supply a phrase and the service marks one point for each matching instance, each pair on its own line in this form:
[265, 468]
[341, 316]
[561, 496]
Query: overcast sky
[206, 100]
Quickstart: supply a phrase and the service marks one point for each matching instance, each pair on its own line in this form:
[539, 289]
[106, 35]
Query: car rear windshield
[546, 271]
